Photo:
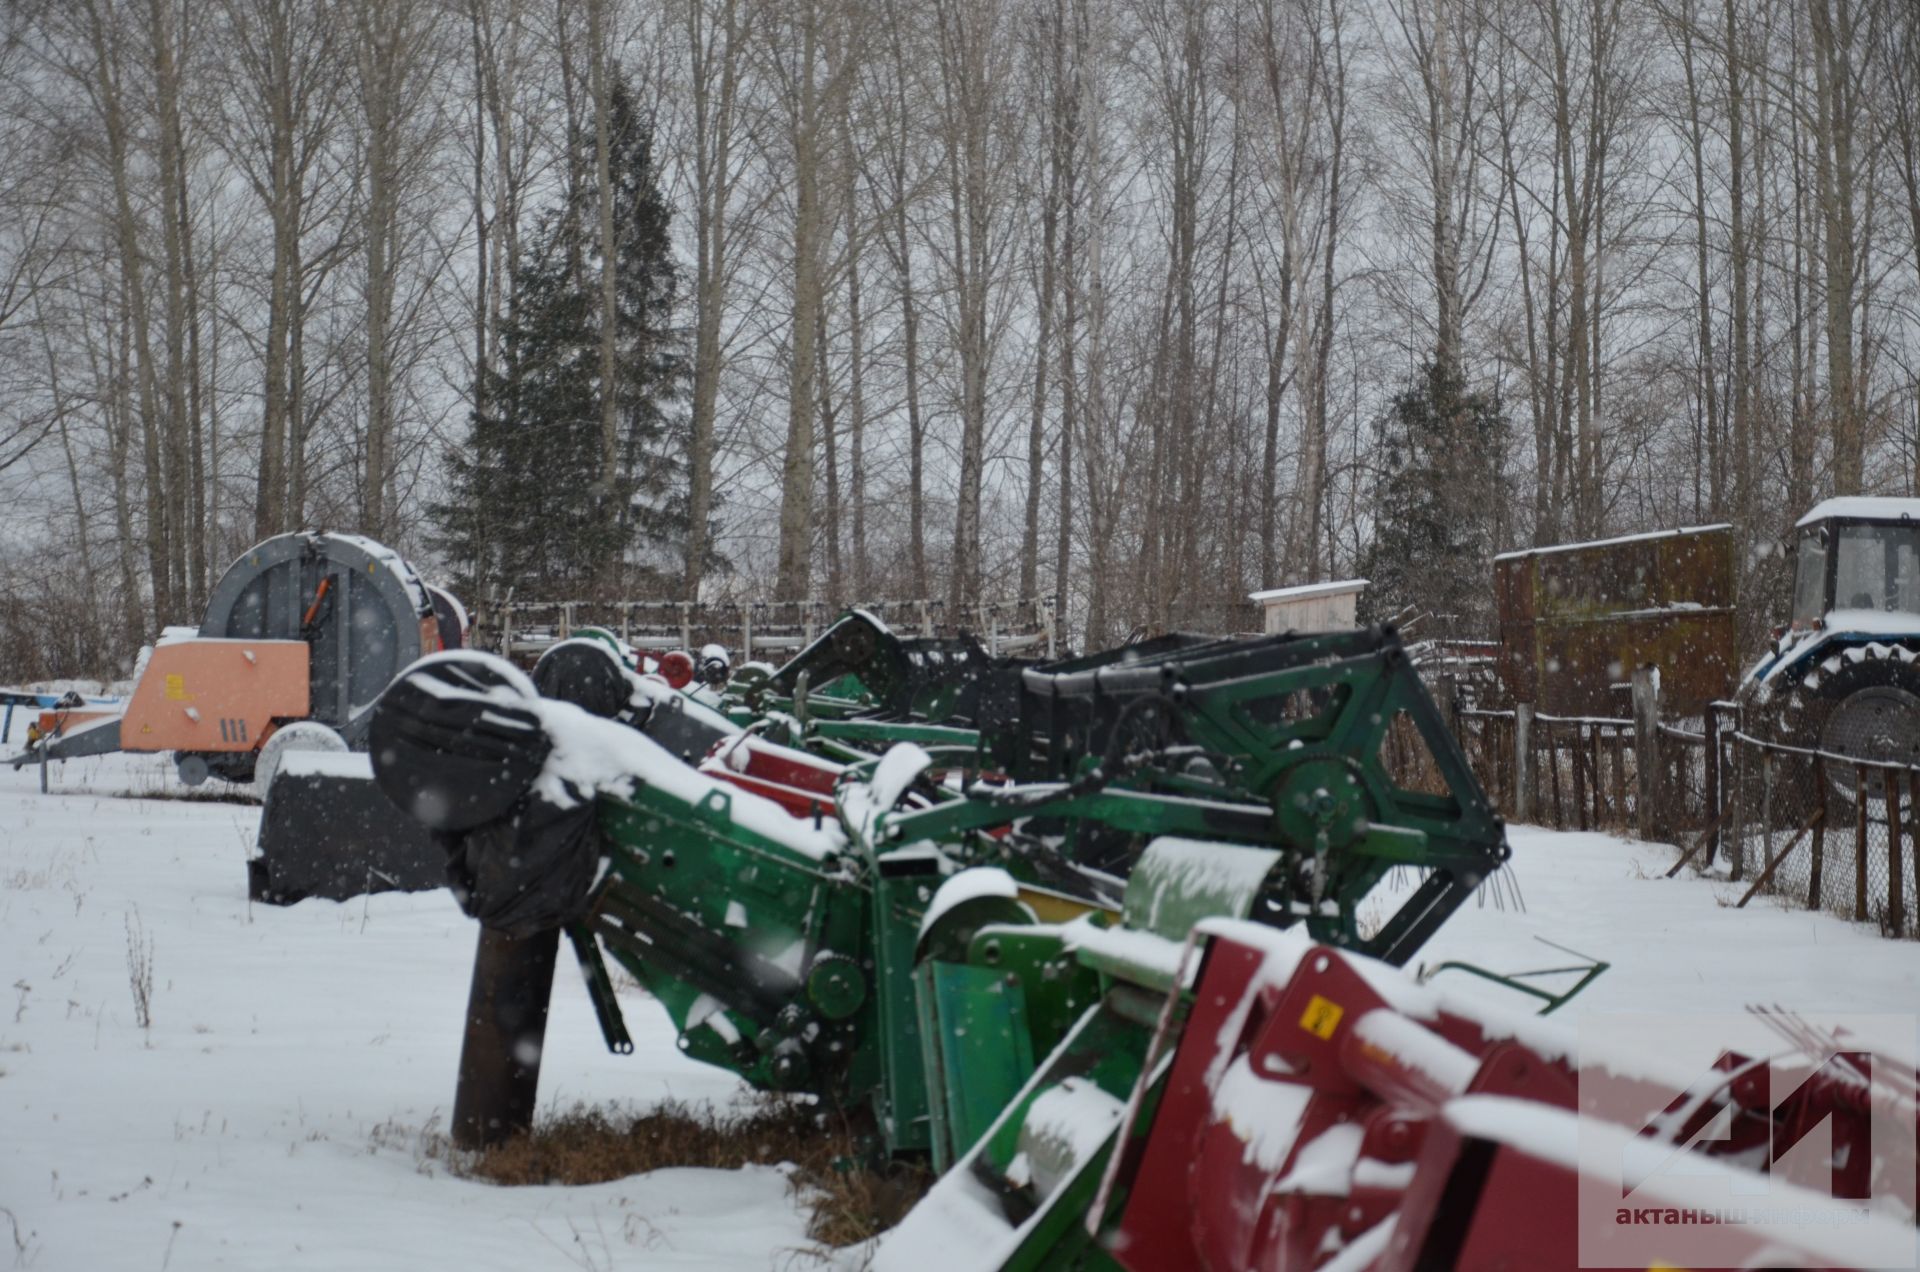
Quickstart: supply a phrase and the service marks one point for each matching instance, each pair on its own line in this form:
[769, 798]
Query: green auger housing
[1011, 865]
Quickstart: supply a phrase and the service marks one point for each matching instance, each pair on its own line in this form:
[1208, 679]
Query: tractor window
[1810, 576]
[1877, 568]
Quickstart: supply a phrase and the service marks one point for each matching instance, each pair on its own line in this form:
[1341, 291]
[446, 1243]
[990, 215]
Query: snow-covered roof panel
[1305, 590]
[1863, 507]
[1608, 543]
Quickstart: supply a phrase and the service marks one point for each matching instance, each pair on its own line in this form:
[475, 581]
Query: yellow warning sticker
[1321, 1017]
[176, 686]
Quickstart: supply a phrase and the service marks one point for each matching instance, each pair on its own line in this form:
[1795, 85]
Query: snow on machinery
[276, 688]
[300, 637]
[1278, 1105]
[813, 941]
[1840, 676]
[1098, 944]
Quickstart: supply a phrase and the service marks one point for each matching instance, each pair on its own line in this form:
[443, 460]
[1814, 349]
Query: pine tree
[1436, 501]
[529, 509]
[654, 371]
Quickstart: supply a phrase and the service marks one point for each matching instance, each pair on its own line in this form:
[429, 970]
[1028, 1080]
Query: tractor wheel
[1865, 710]
[301, 735]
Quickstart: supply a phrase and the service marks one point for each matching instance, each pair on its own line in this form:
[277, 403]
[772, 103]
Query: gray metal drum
[363, 627]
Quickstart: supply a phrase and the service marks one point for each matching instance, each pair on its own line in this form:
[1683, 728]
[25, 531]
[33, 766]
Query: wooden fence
[1806, 827]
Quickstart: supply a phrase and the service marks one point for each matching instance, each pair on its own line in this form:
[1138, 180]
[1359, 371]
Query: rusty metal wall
[1575, 620]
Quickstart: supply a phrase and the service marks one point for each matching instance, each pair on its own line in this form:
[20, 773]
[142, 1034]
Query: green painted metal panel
[985, 1050]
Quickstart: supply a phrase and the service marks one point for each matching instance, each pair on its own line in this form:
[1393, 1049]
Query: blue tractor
[1842, 675]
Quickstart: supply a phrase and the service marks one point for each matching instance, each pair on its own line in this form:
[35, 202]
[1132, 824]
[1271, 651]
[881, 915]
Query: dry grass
[217, 791]
[850, 1197]
[140, 969]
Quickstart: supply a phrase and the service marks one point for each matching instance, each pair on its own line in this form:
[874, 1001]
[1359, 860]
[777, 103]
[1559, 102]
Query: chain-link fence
[1824, 831]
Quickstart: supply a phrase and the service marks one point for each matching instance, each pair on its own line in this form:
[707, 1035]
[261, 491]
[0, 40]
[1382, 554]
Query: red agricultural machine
[1304, 1108]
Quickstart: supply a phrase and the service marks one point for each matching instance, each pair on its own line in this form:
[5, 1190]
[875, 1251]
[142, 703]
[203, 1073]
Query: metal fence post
[1618, 750]
[1814, 897]
[1579, 776]
[1860, 843]
[1742, 787]
[1522, 761]
[1710, 782]
[1896, 883]
[1913, 824]
[1646, 750]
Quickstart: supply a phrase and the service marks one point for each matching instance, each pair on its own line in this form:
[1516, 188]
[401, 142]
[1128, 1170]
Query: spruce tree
[529, 509]
[1436, 504]
[654, 370]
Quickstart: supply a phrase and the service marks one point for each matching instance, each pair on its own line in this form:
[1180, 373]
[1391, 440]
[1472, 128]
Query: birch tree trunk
[714, 34]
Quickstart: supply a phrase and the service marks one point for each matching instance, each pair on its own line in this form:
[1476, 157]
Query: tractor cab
[1857, 567]
[1843, 675]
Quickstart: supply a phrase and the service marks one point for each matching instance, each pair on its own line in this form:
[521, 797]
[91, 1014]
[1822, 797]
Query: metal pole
[1619, 753]
[1860, 843]
[1576, 757]
[1646, 751]
[1913, 822]
[1710, 783]
[506, 1030]
[1553, 767]
[1737, 845]
[1522, 761]
[1814, 897]
[1896, 883]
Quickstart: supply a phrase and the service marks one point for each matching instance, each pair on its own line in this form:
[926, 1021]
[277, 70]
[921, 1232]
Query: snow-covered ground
[270, 1117]
[271, 1114]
